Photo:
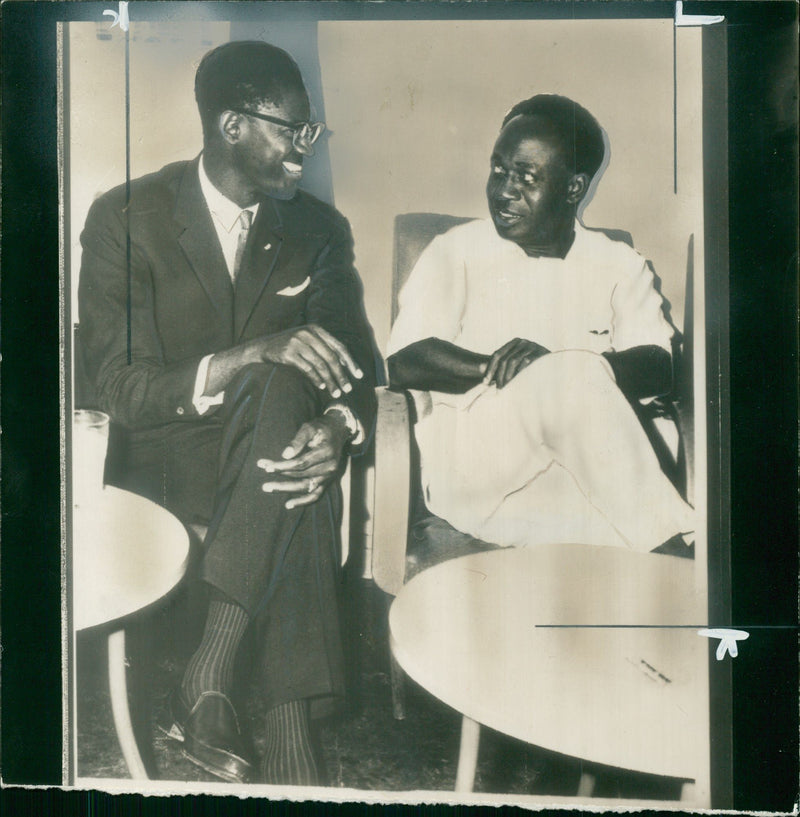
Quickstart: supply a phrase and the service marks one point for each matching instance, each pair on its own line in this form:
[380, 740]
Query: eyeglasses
[303, 133]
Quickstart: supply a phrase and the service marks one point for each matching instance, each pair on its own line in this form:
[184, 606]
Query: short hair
[574, 129]
[242, 74]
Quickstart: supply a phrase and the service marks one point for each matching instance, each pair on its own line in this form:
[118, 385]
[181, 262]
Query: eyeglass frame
[295, 127]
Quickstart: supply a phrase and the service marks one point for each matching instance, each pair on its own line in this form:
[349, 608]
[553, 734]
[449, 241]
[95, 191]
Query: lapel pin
[268, 246]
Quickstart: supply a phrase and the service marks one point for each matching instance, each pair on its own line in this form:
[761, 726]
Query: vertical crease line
[674, 108]
[128, 186]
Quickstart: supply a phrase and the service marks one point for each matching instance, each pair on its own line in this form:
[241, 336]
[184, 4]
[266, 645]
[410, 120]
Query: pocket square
[289, 291]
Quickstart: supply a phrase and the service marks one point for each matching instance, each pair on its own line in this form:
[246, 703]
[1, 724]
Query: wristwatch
[351, 423]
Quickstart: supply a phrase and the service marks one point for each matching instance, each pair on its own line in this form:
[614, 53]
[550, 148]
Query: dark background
[761, 394]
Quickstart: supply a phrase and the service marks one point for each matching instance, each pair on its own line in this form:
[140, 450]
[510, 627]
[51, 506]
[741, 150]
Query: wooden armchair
[406, 537]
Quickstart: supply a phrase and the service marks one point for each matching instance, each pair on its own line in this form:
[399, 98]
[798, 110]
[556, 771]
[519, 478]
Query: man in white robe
[525, 338]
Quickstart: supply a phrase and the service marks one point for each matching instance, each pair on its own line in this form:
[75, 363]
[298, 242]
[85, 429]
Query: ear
[577, 187]
[230, 126]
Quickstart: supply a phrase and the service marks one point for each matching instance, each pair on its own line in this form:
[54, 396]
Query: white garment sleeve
[202, 402]
[433, 298]
[638, 317]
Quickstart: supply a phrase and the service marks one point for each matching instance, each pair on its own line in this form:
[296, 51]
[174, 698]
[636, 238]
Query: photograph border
[38, 360]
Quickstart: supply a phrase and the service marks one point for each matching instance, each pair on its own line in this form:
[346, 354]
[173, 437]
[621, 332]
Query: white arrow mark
[728, 639]
[120, 19]
[682, 19]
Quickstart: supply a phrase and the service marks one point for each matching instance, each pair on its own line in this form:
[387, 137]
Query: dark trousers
[281, 565]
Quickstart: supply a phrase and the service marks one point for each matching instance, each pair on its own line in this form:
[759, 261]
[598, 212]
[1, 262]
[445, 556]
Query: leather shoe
[212, 739]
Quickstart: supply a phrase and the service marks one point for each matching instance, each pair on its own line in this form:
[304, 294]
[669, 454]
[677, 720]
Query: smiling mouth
[506, 217]
[293, 169]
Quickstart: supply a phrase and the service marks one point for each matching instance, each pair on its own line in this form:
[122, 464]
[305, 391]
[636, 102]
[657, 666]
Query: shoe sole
[215, 770]
[175, 732]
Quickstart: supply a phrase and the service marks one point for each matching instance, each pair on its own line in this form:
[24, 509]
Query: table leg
[468, 754]
[118, 687]
[398, 688]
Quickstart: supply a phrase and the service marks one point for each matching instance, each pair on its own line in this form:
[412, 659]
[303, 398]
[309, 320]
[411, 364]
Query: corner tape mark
[122, 20]
[728, 639]
[682, 19]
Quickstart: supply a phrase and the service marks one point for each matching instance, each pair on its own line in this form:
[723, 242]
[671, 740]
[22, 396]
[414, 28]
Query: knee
[579, 369]
[569, 385]
[290, 381]
[257, 379]
[563, 375]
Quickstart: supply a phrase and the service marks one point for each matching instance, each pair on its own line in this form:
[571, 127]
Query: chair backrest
[412, 233]
[396, 484]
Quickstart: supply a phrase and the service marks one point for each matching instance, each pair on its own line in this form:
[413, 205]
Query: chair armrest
[391, 490]
[346, 486]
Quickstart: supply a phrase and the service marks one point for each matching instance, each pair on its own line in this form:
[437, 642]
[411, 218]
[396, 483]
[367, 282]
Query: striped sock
[210, 669]
[289, 758]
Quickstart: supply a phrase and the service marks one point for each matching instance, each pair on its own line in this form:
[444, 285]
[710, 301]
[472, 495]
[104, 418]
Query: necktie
[245, 219]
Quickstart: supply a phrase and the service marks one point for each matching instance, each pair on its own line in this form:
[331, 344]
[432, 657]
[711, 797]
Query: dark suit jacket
[155, 296]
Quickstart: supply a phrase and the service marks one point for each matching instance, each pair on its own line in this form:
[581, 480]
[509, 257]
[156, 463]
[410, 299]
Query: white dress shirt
[225, 217]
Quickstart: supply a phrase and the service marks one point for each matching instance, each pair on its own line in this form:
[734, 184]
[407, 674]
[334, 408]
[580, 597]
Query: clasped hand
[309, 462]
[510, 359]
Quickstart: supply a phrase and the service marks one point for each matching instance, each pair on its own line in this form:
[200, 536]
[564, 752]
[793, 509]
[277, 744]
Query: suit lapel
[198, 240]
[264, 246]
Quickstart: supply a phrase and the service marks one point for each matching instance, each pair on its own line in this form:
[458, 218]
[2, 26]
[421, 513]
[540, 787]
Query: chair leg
[118, 687]
[398, 688]
[468, 754]
[586, 784]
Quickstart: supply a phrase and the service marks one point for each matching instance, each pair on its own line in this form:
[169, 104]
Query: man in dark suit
[222, 324]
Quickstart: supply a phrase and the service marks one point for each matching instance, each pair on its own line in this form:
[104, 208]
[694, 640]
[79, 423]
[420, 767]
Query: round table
[510, 639]
[127, 552]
